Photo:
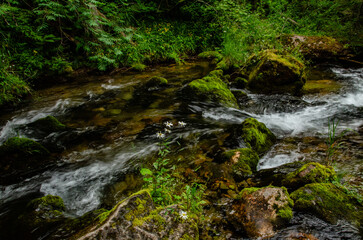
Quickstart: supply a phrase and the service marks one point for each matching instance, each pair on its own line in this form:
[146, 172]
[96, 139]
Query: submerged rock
[256, 135]
[309, 173]
[329, 202]
[211, 88]
[48, 125]
[137, 218]
[262, 210]
[269, 72]
[19, 156]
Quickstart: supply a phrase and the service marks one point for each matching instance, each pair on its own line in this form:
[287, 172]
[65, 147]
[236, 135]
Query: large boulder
[329, 202]
[256, 135]
[211, 88]
[269, 72]
[309, 173]
[137, 218]
[243, 161]
[262, 210]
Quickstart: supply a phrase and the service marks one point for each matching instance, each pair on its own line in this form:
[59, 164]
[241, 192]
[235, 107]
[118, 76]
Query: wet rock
[156, 83]
[256, 135]
[262, 210]
[211, 88]
[268, 72]
[73, 225]
[274, 176]
[243, 161]
[47, 125]
[43, 213]
[137, 218]
[309, 173]
[329, 202]
[316, 47]
[21, 156]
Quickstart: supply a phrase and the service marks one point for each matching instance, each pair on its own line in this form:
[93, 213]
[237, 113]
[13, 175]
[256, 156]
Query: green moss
[22, 147]
[244, 161]
[247, 191]
[43, 211]
[138, 67]
[157, 81]
[270, 73]
[309, 173]
[212, 88]
[328, 202]
[48, 202]
[211, 54]
[139, 208]
[48, 124]
[257, 136]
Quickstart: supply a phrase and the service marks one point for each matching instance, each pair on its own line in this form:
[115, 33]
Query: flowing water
[112, 128]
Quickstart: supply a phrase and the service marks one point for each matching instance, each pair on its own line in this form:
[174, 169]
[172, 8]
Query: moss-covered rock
[48, 124]
[137, 218]
[329, 202]
[211, 88]
[262, 210]
[244, 161]
[19, 156]
[211, 55]
[256, 135]
[269, 72]
[156, 82]
[42, 213]
[309, 173]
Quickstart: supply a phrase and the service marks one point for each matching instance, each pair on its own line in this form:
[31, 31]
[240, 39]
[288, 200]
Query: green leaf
[146, 171]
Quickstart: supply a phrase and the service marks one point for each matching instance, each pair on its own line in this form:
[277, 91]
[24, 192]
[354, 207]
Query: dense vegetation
[41, 38]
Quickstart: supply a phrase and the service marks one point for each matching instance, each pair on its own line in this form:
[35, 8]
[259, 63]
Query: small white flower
[169, 124]
[183, 214]
[160, 135]
[167, 130]
[182, 124]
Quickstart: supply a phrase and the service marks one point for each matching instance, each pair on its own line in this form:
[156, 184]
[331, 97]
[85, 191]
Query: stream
[111, 131]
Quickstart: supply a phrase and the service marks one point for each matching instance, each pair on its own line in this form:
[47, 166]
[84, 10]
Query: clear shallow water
[115, 128]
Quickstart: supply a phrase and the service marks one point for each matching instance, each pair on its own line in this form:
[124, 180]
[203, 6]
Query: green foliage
[166, 186]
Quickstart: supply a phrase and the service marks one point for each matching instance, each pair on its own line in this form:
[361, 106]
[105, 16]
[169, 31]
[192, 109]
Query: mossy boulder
[244, 161]
[42, 213]
[329, 202]
[211, 55]
[156, 82]
[211, 88]
[269, 72]
[309, 173]
[257, 136]
[262, 210]
[137, 218]
[20, 155]
[48, 124]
